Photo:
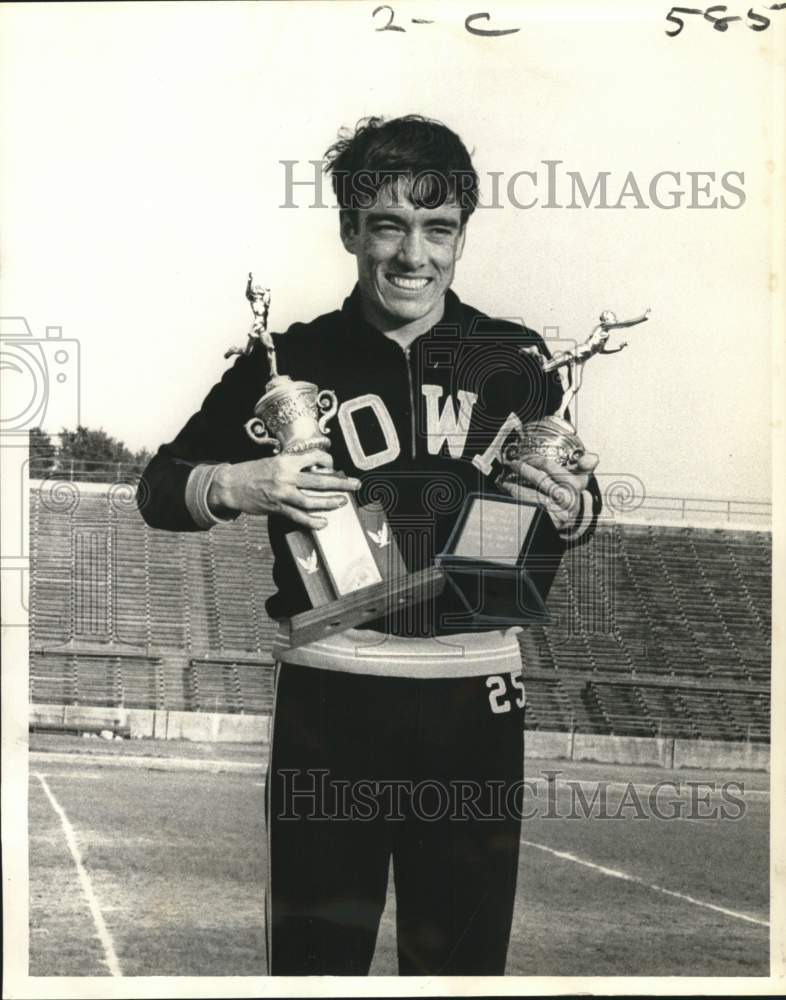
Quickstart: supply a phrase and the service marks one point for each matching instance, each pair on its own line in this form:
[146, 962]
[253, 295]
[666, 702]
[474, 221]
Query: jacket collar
[358, 326]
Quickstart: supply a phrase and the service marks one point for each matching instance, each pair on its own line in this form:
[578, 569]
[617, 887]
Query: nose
[412, 251]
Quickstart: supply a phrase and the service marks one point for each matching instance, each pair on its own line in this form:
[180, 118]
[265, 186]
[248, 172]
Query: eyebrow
[440, 220]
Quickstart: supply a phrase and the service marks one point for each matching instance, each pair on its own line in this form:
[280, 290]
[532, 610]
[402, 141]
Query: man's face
[406, 256]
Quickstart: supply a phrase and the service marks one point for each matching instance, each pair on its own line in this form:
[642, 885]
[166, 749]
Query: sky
[143, 180]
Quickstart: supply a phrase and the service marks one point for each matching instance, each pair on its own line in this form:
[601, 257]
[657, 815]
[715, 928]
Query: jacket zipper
[411, 400]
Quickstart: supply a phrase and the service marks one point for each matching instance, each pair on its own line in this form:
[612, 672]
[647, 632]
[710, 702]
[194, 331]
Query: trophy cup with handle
[351, 569]
[292, 416]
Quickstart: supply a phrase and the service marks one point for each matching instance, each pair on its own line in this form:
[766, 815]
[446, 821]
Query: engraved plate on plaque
[345, 550]
[494, 531]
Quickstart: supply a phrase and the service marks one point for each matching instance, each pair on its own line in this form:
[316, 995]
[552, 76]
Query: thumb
[587, 463]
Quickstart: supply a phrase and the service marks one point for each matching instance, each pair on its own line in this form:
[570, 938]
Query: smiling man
[403, 740]
[406, 256]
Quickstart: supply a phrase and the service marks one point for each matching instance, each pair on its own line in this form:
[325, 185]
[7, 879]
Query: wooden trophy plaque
[353, 573]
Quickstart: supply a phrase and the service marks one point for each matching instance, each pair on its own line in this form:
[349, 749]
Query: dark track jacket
[420, 428]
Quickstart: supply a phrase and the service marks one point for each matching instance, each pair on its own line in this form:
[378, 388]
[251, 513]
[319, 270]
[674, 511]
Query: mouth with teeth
[408, 284]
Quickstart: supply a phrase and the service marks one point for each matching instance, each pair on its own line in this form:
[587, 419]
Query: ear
[347, 231]
[460, 242]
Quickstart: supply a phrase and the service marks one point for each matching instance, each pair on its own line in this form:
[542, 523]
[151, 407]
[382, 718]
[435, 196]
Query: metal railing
[85, 470]
[683, 508]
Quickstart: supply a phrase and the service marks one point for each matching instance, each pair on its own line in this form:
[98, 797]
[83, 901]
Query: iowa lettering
[448, 425]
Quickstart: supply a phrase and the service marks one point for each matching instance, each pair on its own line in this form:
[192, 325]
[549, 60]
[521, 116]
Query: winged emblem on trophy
[381, 537]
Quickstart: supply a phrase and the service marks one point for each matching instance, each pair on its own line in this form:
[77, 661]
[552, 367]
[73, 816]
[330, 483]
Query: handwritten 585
[719, 19]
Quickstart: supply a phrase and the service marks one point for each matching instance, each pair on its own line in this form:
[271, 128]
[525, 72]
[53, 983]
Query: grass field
[159, 869]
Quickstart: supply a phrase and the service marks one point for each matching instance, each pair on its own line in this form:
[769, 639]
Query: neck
[393, 328]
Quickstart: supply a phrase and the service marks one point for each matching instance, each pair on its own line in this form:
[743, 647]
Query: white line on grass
[44, 758]
[103, 933]
[75, 776]
[562, 784]
[626, 877]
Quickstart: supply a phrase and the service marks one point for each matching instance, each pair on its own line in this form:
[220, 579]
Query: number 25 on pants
[499, 694]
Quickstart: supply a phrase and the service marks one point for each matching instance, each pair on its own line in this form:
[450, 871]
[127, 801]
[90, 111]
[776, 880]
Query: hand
[542, 480]
[275, 486]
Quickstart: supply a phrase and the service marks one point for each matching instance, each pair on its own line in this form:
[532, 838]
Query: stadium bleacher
[656, 630]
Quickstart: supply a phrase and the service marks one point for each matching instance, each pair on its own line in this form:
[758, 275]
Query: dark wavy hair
[427, 155]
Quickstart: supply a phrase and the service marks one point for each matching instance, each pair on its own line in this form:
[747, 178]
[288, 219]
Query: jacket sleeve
[587, 519]
[173, 488]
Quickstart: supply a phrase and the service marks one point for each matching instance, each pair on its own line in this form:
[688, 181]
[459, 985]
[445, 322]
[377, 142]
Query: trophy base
[333, 570]
[365, 605]
[552, 438]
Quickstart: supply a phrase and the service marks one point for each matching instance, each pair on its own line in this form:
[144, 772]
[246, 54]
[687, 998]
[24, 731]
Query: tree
[86, 454]
[141, 458]
[42, 454]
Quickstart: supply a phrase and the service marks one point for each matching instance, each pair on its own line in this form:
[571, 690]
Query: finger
[519, 492]
[578, 479]
[537, 461]
[314, 501]
[587, 463]
[584, 466]
[302, 518]
[562, 492]
[559, 515]
[531, 475]
[326, 481]
[573, 480]
[314, 457]
[560, 495]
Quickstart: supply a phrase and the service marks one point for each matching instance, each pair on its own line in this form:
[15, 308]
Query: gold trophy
[352, 569]
[555, 437]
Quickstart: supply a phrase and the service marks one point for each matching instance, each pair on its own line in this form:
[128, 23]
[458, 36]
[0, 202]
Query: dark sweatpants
[430, 771]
